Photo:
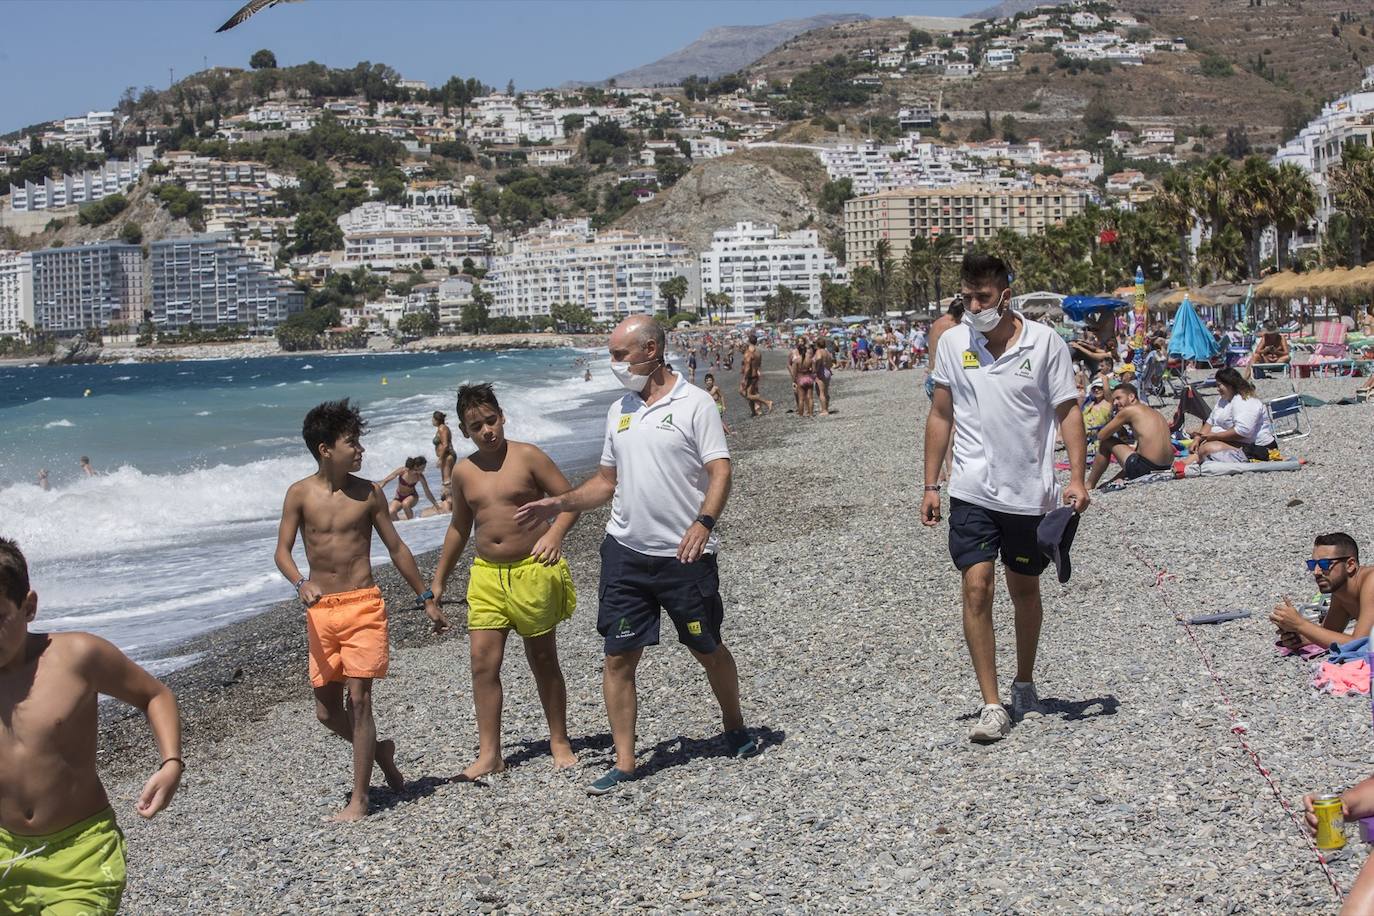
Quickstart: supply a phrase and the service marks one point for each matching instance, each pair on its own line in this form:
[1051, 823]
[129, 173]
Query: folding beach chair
[1286, 416]
[1151, 380]
[1331, 344]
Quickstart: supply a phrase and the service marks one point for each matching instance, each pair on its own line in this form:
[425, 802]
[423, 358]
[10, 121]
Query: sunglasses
[1325, 563]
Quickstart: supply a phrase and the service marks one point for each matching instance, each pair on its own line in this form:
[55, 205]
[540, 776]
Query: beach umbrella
[1245, 305]
[1189, 337]
[1177, 297]
[1080, 307]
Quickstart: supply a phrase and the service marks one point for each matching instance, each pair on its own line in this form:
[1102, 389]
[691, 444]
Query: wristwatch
[421, 599]
[932, 488]
[707, 522]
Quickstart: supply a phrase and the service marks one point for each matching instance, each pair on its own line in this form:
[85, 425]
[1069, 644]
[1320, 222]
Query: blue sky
[106, 45]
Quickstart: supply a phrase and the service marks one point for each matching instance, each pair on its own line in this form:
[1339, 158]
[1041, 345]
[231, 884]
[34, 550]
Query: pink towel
[1342, 680]
[1308, 652]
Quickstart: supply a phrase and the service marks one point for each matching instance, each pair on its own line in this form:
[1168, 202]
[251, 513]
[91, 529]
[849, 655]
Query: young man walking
[1002, 384]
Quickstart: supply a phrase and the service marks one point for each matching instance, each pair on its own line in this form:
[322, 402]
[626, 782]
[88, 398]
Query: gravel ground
[1130, 795]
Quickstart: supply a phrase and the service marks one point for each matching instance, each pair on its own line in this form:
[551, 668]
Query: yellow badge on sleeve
[625, 419]
[694, 627]
[970, 359]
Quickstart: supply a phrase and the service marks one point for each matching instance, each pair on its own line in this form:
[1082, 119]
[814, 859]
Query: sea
[175, 535]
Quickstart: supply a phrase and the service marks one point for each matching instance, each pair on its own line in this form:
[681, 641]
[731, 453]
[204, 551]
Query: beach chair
[1286, 416]
[1331, 343]
[1151, 380]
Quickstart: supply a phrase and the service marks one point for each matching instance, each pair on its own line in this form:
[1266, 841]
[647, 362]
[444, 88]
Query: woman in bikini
[407, 477]
[823, 360]
[443, 450]
[806, 380]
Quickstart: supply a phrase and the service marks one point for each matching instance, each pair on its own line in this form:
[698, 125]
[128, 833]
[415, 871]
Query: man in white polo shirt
[666, 464]
[1003, 384]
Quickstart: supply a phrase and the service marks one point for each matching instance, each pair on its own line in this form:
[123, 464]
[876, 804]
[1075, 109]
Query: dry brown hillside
[143, 209]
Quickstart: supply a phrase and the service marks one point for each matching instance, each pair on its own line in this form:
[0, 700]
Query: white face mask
[627, 378]
[983, 321]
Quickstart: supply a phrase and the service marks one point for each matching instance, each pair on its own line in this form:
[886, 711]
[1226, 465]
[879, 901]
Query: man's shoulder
[623, 404]
[957, 335]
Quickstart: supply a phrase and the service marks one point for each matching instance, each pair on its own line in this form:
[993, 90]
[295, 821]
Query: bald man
[666, 464]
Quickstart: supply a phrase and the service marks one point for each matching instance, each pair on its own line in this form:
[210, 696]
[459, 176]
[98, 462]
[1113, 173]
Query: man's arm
[112, 673]
[939, 425]
[428, 492]
[1075, 438]
[596, 490]
[717, 492]
[401, 557]
[286, 542]
[1110, 427]
[551, 481]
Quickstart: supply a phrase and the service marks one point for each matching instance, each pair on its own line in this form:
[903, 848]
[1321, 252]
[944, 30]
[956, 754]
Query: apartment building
[210, 281]
[16, 292]
[1317, 147]
[969, 213]
[611, 274]
[384, 236]
[228, 189]
[749, 261]
[75, 188]
[87, 286]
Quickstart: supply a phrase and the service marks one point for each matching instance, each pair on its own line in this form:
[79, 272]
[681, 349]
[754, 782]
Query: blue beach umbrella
[1189, 337]
[1080, 307]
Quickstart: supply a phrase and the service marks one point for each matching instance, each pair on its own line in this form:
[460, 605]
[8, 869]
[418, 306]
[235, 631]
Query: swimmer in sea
[43, 479]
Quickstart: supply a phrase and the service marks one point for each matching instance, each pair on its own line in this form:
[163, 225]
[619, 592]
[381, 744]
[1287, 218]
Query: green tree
[131, 232]
[569, 316]
[1214, 65]
[102, 211]
[476, 314]
[673, 291]
[835, 193]
[1098, 118]
[836, 299]
[418, 324]
[263, 60]
[1295, 204]
[1352, 191]
[717, 305]
[783, 304]
[917, 39]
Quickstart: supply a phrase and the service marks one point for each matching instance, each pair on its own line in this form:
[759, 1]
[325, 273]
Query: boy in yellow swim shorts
[61, 851]
[519, 580]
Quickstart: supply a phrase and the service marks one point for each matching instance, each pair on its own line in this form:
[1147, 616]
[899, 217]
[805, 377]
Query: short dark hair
[1128, 388]
[329, 422]
[1340, 540]
[440, 416]
[979, 268]
[709, 375]
[418, 461]
[14, 572]
[470, 396]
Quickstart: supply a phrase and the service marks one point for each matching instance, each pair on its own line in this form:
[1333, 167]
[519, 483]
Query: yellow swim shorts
[527, 596]
[77, 871]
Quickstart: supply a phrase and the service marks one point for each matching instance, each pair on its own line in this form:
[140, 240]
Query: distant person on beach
[61, 850]
[519, 580]
[1272, 347]
[1002, 385]
[824, 363]
[43, 480]
[408, 477]
[1335, 567]
[345, 616]
[692, 365]
[751, 377]
[667, 466]
[86, 467]
[950, 319]
[1239, 428]
[443, 449]
[1151, 451]
[718, 396]
[587, 376]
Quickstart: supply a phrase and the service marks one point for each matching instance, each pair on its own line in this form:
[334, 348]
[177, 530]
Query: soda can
[1327, 808]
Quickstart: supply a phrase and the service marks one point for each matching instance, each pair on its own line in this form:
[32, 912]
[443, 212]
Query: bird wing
[248, 9]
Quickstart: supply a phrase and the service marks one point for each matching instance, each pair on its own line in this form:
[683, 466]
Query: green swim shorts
[78, 871]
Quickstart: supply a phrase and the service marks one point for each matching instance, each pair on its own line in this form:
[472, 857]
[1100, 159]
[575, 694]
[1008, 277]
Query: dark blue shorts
[635, 588]
[977, 535]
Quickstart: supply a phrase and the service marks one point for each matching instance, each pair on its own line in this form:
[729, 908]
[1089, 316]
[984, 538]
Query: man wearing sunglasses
[1335, 565]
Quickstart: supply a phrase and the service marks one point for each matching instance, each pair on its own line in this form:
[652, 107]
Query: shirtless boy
[750, 376]
[1152, 452]
[60, 848]
[518, 581]
[709, 382]
[345, 617]
[1335, 565]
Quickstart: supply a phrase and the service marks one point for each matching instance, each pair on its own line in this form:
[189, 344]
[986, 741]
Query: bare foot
[386, 759]
[770, 406]
[563, 756]
[351, 812]
[484, 766]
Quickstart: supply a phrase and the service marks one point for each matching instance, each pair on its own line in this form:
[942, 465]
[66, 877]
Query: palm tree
[1212, 187]
[916, 274]
[942, 248]
[1251, 200]
[1352, 191]
[882, 263]
[1295, 204]
[717, 303]
[1176, 205]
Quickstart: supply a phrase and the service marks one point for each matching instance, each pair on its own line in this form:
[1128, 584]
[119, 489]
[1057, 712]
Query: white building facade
[749, 261]
[16, 292]
[76, 188]
[209, 281]
[384, 236]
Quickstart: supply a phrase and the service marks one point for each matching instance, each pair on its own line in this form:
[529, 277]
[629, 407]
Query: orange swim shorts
[347, 633]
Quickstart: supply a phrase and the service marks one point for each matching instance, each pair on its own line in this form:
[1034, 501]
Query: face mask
[627, 378]
[983, 321]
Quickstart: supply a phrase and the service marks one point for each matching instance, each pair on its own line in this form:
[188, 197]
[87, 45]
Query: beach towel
[1222, 468]
[1343, 680]
[1308, 652]
[1357, 650]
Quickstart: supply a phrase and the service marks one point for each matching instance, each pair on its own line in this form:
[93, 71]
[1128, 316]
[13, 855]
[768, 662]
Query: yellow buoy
[384, 380]
[87, 394]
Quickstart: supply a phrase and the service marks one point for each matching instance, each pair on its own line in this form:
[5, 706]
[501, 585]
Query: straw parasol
[1175, 297]
[1277, 286]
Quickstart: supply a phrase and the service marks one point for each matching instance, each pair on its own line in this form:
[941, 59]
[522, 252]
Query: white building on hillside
[78, 187]
[1317, 147]
[384, 236]
[611, 274]
[16, 292]
[454, 293]
[751, 260]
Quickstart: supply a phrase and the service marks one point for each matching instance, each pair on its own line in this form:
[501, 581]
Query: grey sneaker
[993, 724]
[1024, 699]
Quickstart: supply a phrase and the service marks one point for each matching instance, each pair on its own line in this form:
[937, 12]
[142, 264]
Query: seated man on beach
[345, 616]
[1152, 450]
[61, 850]
[1272, 347]
[1335, 565]
[519, 580]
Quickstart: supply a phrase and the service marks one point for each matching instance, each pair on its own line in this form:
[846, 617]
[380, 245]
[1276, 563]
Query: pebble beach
[1132, 793]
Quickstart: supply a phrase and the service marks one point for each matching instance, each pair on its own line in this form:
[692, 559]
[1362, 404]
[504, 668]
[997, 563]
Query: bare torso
[750, 364]
[494, 487]
[337, 528]
[1345, 605]
[1151, 433]
[48, 779]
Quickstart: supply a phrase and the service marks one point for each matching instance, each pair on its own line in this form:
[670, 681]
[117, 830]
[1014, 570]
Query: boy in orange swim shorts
[345, 616]
[519, 580]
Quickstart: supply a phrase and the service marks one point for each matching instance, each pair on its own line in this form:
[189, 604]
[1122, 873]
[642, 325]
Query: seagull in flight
[249, 8]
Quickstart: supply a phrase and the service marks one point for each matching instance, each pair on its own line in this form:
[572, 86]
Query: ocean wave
[123, 378]
[64, 423]
[202, 413]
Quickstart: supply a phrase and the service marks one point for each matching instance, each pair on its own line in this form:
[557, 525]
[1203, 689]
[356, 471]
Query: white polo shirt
[659, 453]
[1246, 416]
[1004, 416]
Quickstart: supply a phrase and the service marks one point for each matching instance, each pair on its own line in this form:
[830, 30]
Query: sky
[91, 50]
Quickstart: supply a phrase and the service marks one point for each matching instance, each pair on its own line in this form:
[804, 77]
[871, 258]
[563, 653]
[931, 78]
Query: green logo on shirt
[666, 422]
[1024, 370]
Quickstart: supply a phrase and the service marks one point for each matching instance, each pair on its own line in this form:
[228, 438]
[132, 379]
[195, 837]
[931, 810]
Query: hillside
[779, 186]
[1282, 39]
[143, 209]
[724, 50]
